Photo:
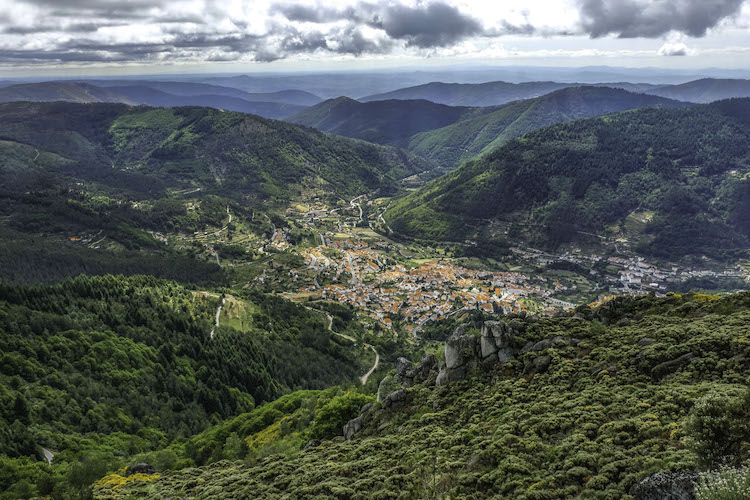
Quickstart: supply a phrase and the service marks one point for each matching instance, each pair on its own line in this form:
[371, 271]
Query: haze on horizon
[107, 37]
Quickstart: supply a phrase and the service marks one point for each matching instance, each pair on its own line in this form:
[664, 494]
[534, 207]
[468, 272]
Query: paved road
[364, 377]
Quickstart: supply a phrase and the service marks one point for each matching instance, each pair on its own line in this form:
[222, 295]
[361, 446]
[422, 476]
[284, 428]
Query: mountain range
[162, 94]
[383, 122]
[495, 93]
[684, 171]
[449, 146]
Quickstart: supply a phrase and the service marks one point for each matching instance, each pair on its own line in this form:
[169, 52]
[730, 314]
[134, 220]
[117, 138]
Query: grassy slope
[687, 165]
[383, 122]
[452, 145]
[605, 414]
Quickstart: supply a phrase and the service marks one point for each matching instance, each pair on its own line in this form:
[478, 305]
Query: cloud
[137, 31]
[653, 18]
[432, 25]
[673, 49]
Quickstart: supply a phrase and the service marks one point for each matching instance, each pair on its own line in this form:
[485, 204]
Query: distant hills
[233, 154]
[496, 93]
[670, 182]
[163, 94]
[705, 90]
[383, 122]
[450, 146]
[61, 91]
[471, 94]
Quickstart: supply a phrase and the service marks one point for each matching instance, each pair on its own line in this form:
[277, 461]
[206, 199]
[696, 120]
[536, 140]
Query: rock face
[354, 425]
[387, 386]
[395, 400]
[671, 366]
[666, 486]
[464, 352]
[139, 469]
[408, 375]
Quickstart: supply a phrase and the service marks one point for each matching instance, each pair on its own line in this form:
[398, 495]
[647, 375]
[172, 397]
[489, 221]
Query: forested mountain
[238, 155]
[585, 405]
[704, 90]
[470, 94]
[61, 91]
[153, 97]
[449, 146]
[100, 368]
[163, 94]
[384, 122]
[686, 168]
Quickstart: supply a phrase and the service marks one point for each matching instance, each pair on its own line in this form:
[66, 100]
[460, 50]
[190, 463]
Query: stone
[404, 372]
[313, 443]
[366, 409]
[666, 486]
[504, 355]
[402, 366]
[386, 387]
[488, 346]
[671, 366]
[395, 400]
[352, 427]
[442, 377]
[646, 341]
[458, 347]
[538, 364]
[139, 469]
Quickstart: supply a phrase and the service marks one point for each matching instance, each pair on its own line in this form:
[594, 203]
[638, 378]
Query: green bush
[726, 484]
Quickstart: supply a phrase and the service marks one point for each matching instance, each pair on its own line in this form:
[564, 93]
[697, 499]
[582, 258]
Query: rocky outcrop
[464, 351]
[313, 443]
[666, 486]
[395, 400]
[354, 425]
[408, 375]
[139, 469]
[671, 366]
[387, 386]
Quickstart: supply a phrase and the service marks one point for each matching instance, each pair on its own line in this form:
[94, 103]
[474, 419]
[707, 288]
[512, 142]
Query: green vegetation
[229, 153]
[685, 165]
[383, 122]
[98, 369]
[450, 146]
[616, 406]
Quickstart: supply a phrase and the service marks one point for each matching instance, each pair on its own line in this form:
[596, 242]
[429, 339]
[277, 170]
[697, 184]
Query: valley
[236, 286]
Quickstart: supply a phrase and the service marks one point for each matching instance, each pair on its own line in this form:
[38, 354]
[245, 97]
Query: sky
[39, 37]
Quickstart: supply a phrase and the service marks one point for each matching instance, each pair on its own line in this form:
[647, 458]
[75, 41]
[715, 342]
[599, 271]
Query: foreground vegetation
[650, 385]
[98, 369]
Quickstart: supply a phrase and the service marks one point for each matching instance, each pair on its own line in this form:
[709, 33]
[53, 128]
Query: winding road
[218, 313]
[364, 377]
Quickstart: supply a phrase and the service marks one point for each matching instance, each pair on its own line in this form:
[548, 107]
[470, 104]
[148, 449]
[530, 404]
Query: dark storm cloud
[433, 24]
[651, 19]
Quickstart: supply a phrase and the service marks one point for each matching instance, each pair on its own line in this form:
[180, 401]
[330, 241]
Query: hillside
[97, 368]
[471, 94]
[704, 90]
[581, 406]
[685, 168]
[383, 122]
[450, 146]
[153, 97]
[234, 154]
[61, 91]
[163, 94]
